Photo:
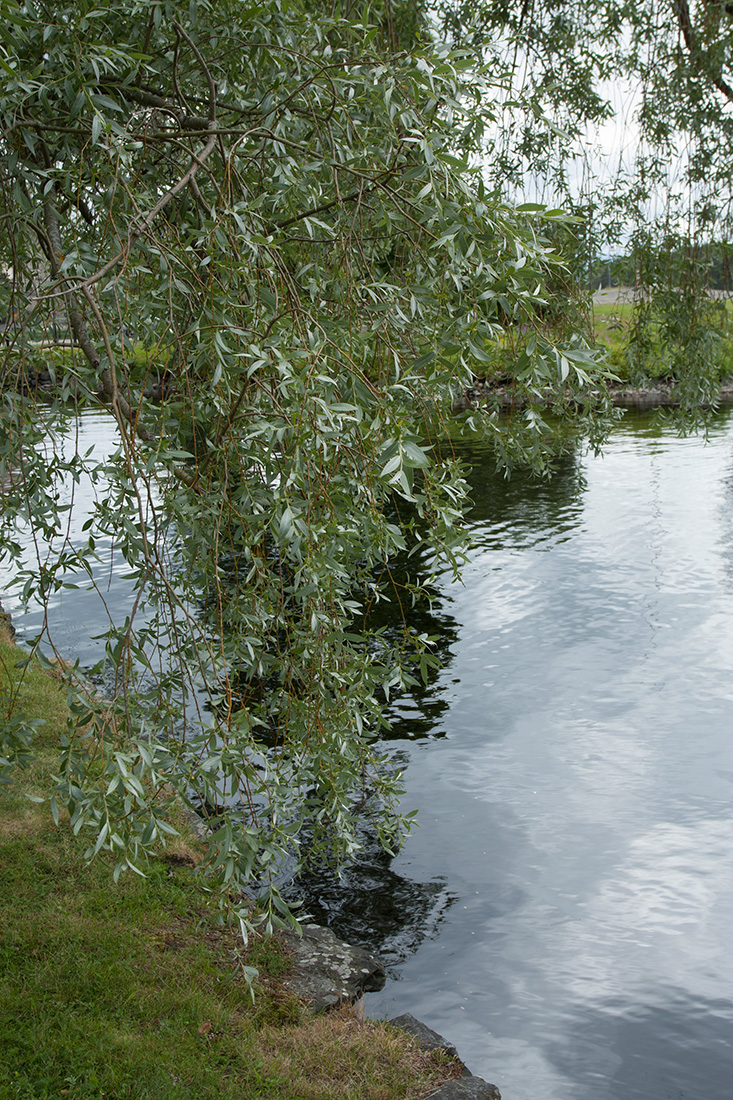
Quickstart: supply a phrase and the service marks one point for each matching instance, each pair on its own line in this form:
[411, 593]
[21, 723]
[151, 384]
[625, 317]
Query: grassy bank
[131, 991]
[612, 324]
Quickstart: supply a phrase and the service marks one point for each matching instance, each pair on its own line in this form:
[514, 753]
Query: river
[564, 913]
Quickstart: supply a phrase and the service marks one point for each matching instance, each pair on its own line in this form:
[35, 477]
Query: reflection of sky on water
[75, 615]
[100, 594]
[673, 881]
[579, 805]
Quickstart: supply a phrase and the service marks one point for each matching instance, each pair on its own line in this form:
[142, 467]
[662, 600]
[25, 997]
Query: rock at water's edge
[6, 621]
[426, 1037]
[326, 971]
[467, 1087]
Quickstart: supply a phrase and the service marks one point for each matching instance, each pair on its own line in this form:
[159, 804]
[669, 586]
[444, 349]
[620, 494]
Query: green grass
[131, 991]
[612, 325]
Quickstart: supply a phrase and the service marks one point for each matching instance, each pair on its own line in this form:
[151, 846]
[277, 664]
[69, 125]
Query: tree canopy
[261, 238]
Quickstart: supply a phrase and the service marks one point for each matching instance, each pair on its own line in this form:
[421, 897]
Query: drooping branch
[107, 375]
[140, 226]
[149, 99]
[124, 413]
[684, 21]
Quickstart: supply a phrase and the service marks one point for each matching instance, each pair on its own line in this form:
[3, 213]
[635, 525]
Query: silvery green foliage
[658, 191]
[265, 234]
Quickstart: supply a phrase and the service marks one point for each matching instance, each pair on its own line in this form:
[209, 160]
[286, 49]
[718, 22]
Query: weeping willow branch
[699, 57]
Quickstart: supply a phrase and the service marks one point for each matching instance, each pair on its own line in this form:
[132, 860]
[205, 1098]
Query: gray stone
[326, 971]
[6, 621]
[426, 1037]
[465, 1087]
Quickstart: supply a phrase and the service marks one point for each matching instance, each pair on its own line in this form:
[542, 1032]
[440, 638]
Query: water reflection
[725, 545]
[644, 1048]
[76, 617]
[522, 511]
[576, 807]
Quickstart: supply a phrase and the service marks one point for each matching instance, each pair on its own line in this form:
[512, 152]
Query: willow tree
[256, 237]
[661, 73]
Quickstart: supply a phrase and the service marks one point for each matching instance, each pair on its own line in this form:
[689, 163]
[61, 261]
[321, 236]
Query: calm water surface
[76, 617]
[565, 912]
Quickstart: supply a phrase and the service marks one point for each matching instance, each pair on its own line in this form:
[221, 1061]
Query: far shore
[609, 295]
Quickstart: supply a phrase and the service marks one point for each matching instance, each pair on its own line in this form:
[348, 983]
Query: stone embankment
[327, 973]
[465, 1087]
[502, 395]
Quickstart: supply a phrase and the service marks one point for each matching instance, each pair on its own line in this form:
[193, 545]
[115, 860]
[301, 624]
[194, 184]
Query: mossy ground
[131, 991]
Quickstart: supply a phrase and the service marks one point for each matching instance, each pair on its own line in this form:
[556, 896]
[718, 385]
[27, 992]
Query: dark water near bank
[565, 912]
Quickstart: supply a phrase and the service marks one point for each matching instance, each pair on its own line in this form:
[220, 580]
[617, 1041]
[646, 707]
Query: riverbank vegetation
[639, 103]
[136, 991]
[642, 349]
